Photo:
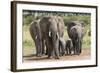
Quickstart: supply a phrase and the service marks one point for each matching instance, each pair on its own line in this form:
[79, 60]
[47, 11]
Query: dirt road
[86, 54]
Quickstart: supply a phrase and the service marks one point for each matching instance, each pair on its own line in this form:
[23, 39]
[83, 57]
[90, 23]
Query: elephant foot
[38, 55]
[75, 53]
[66, 54]
[57, 58]
[46, 53]
[78, 54]
[50, 57]
[43, 54]
[61, 55]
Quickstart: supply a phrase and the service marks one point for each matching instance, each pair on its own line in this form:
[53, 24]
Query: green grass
[28, 43]
[86, 41]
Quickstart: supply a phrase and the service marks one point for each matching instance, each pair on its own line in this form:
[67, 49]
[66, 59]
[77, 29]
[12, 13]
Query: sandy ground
[86, 54]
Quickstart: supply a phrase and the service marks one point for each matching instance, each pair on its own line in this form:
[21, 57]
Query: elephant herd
[47, 33]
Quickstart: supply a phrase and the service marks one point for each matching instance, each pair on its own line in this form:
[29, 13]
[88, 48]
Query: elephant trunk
[55, 42]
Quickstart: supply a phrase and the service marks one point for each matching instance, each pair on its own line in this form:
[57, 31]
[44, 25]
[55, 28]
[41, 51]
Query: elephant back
[76, 31]
[76, 26]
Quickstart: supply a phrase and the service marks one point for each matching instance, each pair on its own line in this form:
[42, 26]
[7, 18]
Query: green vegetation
[28, 17]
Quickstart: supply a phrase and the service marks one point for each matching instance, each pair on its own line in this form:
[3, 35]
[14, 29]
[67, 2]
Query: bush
[28, 19]
[85, 18]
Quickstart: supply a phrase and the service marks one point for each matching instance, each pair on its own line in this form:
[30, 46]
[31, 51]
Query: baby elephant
[69, 47]
[65, 47]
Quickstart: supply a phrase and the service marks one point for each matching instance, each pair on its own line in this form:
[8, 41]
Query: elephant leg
[78, 51]
[38, 49]
[77, 47]
[63, 52]
[56, 54]
[74, 46]
[69, 50]
[66, 50]
[49, 52]
[47, 47]
[37, 54]
[60, 49]
[43, 46]
[80, 47]
[63, 49]
[56, 51]
[46, 51]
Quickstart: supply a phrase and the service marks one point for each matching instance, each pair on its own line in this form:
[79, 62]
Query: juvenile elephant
[69, 47]
[51, 29]
[36, 36]
[75, 31]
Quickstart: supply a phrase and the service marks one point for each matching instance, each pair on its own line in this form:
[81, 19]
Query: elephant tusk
[58, 35]
[49, 34]
[35, 37]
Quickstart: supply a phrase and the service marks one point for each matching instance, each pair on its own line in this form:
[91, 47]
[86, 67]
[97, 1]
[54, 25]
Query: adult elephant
[51, 29]
[76, 31]
[36, 36]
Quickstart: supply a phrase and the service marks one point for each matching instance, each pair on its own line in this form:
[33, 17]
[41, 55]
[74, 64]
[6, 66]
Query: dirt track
[86, 54]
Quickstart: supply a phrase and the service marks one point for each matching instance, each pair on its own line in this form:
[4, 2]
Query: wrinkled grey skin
[36, 36]
[73, 23]
[75, 32]
[69, 47]
[62, 45]
[51, 29]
